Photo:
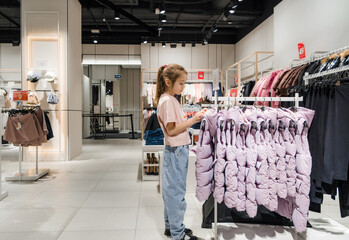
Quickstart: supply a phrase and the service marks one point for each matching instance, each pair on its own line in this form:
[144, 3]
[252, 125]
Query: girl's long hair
[172, 72]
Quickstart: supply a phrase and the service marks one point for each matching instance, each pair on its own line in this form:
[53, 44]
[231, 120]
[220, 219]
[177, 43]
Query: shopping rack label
[301, 50]
[20, 96]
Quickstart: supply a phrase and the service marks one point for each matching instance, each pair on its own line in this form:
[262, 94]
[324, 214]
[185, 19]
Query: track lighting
[215, 29]
[173, 45]
[116, 16]
[183, 44]
[153, 44]
[234, 4]
[205, 41]
[240, 0]
[232, 11]
[95, 41]
[163, 44]
[162, 8]
[163, 18]
[193, 44]
[225, 15]
[159, 26]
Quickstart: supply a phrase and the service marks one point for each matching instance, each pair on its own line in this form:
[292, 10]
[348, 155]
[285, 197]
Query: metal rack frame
[295, 99]
[241, 65]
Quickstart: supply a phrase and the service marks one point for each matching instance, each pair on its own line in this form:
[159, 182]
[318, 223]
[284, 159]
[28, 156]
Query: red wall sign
[301, 50]
[20, 95]
[201, 75]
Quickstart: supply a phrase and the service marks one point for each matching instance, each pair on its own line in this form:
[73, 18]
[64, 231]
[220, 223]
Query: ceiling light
[162, 8]
[145, 41]
[205, 41]
[163, 44]
[215, 29]
[95, 41]
[240, 0]
[163, 18]
[183, 44]
[103, 19]
[230, 22]
[234, 4]
[153, 44]
[116, 16]
[193, 44]
[231, 11]
[94, 30]
[173, 45]
[159, 27]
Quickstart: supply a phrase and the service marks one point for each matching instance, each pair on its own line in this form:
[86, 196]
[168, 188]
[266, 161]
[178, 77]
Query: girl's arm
[174, 129]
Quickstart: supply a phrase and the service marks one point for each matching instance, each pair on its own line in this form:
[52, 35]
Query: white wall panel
[320, 24]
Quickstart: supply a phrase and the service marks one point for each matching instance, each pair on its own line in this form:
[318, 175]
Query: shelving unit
[151, 149]
[251, 60]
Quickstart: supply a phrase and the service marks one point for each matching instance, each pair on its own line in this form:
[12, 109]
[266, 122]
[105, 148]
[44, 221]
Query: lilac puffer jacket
[231, 170]
[251, 154]
[241, 158]
[271, 119]
[303, 168]
[220, 163]
[291, 149]
[204, 152]
[262, 166]
[281, 177]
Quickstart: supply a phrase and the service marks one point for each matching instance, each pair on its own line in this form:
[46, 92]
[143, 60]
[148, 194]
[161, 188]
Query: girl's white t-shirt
[169, 110]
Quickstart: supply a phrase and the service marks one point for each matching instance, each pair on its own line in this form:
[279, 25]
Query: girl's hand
[198, 116]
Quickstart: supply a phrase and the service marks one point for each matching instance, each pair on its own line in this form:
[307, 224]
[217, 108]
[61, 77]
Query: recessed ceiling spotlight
[162, 8]
[116, 16]
[240, 0]
[230, 22]
[232, 11]
[95, 41]
[215, 29]
[163, 44]
[163, 18]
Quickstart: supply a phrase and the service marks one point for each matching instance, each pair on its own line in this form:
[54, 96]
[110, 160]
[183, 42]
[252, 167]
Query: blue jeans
[174, 176]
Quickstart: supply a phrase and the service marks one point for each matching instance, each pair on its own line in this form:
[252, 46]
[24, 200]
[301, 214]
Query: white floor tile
[29, 236]
[112, 199]
[120, 175]
[151, 199]
[99, 219]
[150, 218]
[37, 220]
[93, 235]
[58, 200]
[72, 186]
[150, 234]
[118, 185]
[17, 199]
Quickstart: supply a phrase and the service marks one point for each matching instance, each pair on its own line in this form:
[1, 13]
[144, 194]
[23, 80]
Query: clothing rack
[325, 73]
[327, 54]
[295, 99]
[30, 174]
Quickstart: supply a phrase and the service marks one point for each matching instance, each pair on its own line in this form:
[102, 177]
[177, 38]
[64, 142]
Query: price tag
[301, 50]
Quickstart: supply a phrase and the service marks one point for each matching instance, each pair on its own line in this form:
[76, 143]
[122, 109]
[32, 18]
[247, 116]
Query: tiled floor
[100, 196]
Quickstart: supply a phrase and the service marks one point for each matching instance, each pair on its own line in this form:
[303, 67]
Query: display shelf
[151, 149]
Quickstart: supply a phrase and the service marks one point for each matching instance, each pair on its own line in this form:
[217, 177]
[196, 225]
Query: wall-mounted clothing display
[262, 158]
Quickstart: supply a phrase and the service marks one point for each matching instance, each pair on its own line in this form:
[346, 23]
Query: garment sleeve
[167, 112]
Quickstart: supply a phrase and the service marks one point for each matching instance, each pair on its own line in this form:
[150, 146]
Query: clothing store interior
[82, 152]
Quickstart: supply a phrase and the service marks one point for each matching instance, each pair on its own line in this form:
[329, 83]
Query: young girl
[170, 81]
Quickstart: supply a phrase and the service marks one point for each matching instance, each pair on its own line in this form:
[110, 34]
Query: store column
[51, 45]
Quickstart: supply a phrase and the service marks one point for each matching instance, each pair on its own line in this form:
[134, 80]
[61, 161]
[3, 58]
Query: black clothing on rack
[48, 125]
